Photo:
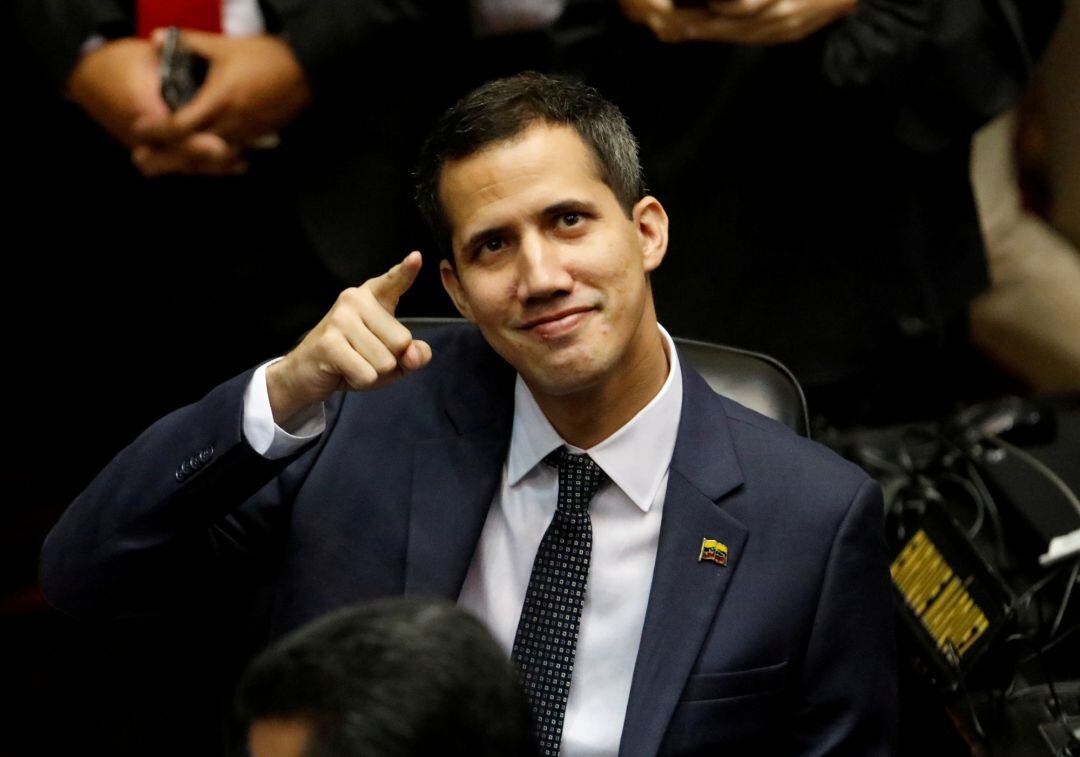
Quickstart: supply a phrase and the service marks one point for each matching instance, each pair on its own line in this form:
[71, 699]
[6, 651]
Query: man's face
[547, 263]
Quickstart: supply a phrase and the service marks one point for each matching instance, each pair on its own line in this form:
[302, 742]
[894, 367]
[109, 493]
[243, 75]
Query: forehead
[511, 180]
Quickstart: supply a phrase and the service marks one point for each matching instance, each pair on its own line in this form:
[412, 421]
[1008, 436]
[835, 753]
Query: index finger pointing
[389, 287]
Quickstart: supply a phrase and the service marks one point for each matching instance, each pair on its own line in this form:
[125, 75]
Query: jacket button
[206, 454]
[185, 468]
[180, 476]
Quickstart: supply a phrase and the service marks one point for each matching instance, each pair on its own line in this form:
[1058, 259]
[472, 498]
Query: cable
[1058, 711]
[1054, 642]
[1065, 599]
[972, 473]
[991, 509]
[1041, 467]
[954, 659]
[1041, 583]
[976, 497]
[876, 459]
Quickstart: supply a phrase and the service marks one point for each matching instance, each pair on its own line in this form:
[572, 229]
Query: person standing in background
[815, 155]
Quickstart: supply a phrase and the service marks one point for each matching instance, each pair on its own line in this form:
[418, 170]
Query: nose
[541, 270]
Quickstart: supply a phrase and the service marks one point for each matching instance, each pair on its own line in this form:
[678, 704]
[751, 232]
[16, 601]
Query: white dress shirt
[241, 18]
[625, 513]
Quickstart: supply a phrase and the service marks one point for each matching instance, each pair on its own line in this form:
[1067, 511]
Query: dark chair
[750, 378]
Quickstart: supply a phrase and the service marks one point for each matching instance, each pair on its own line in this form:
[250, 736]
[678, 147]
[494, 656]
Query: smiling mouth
[556, 324]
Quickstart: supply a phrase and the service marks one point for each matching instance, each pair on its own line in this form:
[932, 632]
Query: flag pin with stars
[714, 551]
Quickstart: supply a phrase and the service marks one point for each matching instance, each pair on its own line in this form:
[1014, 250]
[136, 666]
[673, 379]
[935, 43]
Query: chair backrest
[750, 378]
[758, 381]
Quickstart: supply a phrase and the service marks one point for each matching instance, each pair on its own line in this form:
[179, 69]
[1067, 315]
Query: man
[702, 577]
[298, 68]
[396, 678]
[816, 156]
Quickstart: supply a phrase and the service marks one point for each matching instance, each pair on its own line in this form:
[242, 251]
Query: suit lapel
[686, 593]
[453, 486]
[455, 478]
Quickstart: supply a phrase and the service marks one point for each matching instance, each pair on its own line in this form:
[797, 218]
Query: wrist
[285, 400]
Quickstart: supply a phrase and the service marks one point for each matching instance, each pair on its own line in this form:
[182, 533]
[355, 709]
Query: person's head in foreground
[533, 185]
[390, 678]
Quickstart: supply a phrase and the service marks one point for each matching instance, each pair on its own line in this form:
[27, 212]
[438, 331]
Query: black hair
[501, 110]
[395, 678]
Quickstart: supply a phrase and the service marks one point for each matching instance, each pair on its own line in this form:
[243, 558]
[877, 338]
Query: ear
[453, 288]
[651, 223]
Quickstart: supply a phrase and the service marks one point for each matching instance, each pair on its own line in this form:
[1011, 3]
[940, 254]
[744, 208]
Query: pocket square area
[735, 683]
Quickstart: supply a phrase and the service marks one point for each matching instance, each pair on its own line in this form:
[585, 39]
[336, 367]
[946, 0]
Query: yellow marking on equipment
[936, 595]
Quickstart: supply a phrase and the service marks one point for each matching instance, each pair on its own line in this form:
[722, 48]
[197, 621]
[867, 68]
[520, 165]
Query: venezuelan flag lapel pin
[714, 551]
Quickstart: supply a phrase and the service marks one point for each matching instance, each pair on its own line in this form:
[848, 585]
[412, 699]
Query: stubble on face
[523, 294]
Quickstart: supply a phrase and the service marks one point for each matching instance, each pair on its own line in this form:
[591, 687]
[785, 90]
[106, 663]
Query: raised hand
[358, 345]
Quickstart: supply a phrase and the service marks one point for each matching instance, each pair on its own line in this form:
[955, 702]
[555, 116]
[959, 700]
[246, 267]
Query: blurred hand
[253, 87]
[358, 345]
[118, 85]
[740, 22]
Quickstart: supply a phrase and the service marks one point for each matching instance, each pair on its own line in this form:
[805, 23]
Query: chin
[563, 377]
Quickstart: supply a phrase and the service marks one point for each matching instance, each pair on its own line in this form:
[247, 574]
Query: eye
[570, 219]
[493, 244]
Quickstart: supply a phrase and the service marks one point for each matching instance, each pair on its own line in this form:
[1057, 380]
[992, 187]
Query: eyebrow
[565, 206]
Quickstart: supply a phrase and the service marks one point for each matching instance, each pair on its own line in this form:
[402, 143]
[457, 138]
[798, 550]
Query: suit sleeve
[356, 50]
[53, 32]
[185, 500]
[937, 70]
[849, 703]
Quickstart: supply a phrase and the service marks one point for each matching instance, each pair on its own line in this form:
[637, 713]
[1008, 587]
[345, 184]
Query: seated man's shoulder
[769, 451]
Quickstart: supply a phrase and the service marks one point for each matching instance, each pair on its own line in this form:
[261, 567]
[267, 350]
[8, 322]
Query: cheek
[489, 299]
[623, 282]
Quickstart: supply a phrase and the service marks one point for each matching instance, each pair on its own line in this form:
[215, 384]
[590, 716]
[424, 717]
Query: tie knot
[579, 478]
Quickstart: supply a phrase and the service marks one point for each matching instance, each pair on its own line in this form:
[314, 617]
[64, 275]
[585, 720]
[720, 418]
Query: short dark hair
[502, 109]
[394, 677]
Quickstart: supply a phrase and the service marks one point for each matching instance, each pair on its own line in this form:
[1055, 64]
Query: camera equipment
[985, 538]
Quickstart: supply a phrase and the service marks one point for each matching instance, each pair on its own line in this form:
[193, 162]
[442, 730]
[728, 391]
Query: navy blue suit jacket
[785, 650]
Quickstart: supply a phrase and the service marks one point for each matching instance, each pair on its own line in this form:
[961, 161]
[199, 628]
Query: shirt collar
[635, 457]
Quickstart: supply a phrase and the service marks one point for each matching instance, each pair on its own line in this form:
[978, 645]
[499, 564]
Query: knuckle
[368, 375]
[363, 376]
[361, 296]
[385, 364]
[398, 342]
[346, 296]
[337, 319]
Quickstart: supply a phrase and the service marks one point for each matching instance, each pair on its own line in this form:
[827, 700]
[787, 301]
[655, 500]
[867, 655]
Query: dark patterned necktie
[548, 629]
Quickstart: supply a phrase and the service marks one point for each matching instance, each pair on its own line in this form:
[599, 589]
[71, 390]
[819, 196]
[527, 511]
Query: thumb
[416, 356]
[389, 287]
[199, 42]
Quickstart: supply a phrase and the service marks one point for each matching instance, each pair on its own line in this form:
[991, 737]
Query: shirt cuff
[92, 43]
[266, 437]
